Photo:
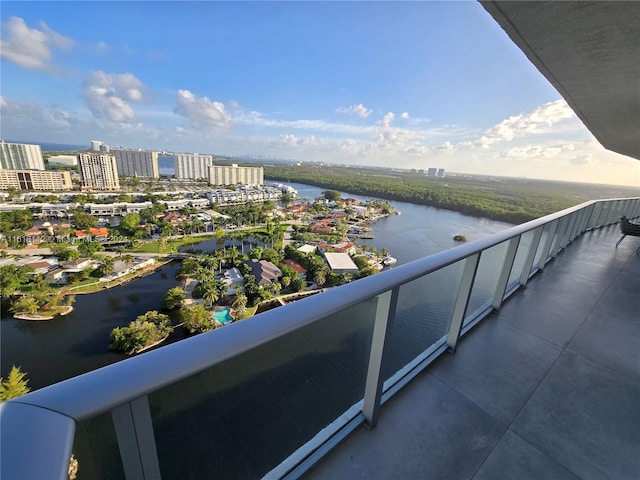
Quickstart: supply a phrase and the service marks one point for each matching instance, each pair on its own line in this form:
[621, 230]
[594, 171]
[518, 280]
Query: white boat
[389, 261]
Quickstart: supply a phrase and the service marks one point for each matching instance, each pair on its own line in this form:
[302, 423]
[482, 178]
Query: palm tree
[211, 294]
[25, 304]
[107, 265]
[127, 259]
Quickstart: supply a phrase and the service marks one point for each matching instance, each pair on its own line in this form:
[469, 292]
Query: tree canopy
[14, 386]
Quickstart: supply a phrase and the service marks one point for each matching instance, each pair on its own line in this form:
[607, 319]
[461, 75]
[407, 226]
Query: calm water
[52, 351]
[77, 343]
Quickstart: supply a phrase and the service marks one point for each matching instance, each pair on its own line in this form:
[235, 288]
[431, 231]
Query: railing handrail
[103, 389]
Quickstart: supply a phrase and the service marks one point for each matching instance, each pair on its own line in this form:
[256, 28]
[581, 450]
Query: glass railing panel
[243, 417]
[543, 241]
[486, 279]
[521, 256]
[95, 449]
[423, 315]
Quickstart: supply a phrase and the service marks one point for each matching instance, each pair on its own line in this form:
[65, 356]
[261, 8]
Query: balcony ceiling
[590, 52]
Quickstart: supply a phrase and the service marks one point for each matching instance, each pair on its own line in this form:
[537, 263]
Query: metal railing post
[136, 442]
[462, 300]
[385, 312]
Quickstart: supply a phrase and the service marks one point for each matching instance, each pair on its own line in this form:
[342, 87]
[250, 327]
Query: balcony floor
[548, 388]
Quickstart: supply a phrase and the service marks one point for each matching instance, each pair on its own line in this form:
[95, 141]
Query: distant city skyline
[395, 84]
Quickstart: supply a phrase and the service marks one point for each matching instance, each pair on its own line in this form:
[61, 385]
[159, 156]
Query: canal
[77, 343]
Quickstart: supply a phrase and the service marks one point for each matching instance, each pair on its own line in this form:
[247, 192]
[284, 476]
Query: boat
[389, 261]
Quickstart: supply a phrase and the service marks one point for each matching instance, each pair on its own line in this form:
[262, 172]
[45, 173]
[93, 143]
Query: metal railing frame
[38, 429]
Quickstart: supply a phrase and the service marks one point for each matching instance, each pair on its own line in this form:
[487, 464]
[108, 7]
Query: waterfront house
[42, 266]
[57, 276]
[77, 265]
[340, 262]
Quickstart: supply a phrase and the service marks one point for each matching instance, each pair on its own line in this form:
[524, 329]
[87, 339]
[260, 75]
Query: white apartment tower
[98, 171]
[233, 175]
[137, 163]
[192, 166]
[20, 156]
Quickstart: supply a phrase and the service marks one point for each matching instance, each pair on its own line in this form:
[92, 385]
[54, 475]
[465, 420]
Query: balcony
[548, 387]
[543, 320]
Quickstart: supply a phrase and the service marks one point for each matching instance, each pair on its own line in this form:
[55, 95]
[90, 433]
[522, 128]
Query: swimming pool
[222, 315]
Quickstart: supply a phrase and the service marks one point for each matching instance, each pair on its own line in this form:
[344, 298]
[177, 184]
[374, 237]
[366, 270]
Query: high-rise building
[192, 166]
[98, 171]
[233, 175]
[431, 172]
[20, 156]
[95, 145]
[35, 180]
[440, 172]
[137, 163]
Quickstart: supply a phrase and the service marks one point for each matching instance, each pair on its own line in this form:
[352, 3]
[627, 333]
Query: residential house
[57, 275]
[340, 262]
[306, 249]
[233, 280]
[264, 271]
[302, 272]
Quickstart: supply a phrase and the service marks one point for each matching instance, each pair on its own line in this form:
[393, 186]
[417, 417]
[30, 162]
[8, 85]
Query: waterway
[68, 346]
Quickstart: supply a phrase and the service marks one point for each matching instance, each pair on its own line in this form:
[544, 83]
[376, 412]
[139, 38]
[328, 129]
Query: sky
[403, 84]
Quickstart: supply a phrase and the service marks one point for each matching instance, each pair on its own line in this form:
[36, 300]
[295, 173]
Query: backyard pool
[222, 315]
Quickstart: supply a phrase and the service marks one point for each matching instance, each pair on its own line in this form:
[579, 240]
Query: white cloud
[387, 119]
[30, 47]
[539, 121]
[202, 112]
[359, 110]
[405, 115]
[108, 95]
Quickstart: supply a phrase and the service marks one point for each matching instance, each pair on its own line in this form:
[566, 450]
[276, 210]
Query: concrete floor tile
[585, 417]
[514, 458]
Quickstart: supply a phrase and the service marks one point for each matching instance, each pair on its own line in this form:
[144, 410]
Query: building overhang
[590, 52]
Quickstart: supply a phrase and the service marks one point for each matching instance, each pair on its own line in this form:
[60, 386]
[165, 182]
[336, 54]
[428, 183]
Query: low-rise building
[41, 180]
[340, 262]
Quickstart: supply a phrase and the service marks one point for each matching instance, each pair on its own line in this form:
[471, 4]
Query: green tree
[87, 249]
[11, 277]
[173, 298]
[144, 331]
[83, 220]
[298, 285]
[25, 304]
[106, 265]
[196, 319]
[331, 195]
[14, 386]
[129, 224]
[66, 254]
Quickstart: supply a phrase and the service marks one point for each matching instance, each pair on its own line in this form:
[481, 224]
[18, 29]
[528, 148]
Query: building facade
[20, 156]
[35, 180]
[137, 163]
[192, 166]
[98, 171]
[233, 175]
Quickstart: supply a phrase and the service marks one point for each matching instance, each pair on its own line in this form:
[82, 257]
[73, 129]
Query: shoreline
[66, 310]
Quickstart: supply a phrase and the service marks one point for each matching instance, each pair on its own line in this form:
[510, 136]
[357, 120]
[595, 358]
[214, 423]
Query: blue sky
[407, 84]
